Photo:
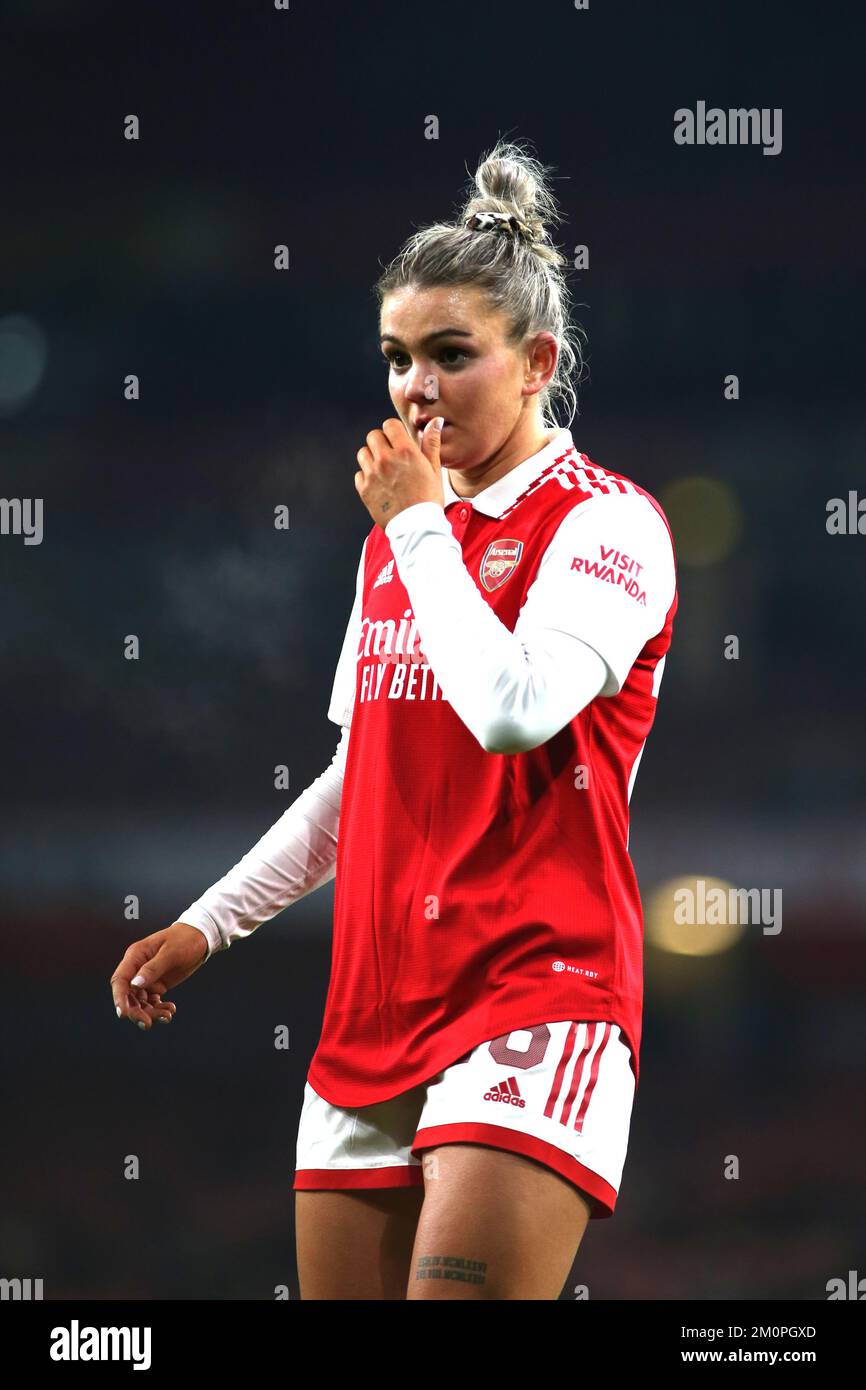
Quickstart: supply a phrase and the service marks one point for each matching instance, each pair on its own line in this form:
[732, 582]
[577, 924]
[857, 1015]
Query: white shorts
[560, 1093]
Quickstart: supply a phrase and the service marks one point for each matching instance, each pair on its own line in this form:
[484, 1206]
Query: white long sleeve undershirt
[296, 855]
[512, 690]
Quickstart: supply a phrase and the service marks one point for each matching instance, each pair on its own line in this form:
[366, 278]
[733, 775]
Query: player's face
[448, 355]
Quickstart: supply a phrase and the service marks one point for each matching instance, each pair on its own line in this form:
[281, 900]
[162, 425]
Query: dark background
[152, 777]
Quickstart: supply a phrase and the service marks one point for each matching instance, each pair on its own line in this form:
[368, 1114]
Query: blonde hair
[514, 261]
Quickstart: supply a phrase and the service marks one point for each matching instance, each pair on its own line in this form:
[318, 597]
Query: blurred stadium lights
[23, 354]
[705, 517]
[671, 926]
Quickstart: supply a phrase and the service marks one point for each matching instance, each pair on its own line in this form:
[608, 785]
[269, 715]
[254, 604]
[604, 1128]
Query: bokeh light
[668, 905]
[705, 517]
[23, 353]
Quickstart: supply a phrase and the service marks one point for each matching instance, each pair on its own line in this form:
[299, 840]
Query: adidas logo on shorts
[506, 1092]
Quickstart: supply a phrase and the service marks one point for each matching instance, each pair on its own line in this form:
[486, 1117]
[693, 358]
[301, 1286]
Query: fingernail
[118, 1011]
[165, 1020]
[140, 1024]
[438, 423]
[139, 980]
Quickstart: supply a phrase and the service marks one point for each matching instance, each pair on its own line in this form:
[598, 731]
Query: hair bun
[510, 181]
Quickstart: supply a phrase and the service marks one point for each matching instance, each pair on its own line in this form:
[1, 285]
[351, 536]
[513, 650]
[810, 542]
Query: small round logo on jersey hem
[560, 965]
[499, 562]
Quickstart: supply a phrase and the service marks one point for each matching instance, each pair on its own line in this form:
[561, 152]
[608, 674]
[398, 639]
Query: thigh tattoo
[451, 1267]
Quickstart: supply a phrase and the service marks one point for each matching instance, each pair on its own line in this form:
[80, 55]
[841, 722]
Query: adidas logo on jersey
[507, 1093]
[385, 575]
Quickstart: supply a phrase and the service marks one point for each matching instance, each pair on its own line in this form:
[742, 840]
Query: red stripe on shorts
[567, 1049]
[593, 1076]
[575, 1078]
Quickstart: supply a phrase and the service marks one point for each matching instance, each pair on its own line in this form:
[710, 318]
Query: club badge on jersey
[499, 563]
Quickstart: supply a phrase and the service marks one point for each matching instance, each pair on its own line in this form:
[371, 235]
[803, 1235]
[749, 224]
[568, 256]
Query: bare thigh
[494, 1225]
[356, 1245]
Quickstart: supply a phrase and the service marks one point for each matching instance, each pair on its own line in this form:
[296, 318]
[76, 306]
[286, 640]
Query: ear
[542, 356]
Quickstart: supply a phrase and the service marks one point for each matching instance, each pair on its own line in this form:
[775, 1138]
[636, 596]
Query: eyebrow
[440, 333]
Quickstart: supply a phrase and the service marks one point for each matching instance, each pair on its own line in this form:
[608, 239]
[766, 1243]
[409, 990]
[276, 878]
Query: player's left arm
[607, 579]
[515, 690]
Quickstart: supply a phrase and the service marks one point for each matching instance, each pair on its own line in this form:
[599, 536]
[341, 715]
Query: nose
[421, 384]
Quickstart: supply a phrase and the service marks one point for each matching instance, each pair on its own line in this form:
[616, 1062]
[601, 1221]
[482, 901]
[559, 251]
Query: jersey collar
[499, 496]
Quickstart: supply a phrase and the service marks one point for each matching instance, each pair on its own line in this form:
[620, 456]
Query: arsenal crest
[500, 560]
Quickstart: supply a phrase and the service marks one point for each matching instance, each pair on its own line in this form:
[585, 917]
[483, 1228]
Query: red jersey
[476, 892]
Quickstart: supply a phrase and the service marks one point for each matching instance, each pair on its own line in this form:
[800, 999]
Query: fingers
[142, 1006]
[160, 1008]
[378, 442]
[379, 446]
[156, 1010]
[126, 995]
[127, 1001]
[128, 967]
[150, 1011]
[395, 432]
[129, 1007]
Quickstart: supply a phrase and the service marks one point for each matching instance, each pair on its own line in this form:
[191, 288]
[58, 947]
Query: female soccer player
[468, 1105]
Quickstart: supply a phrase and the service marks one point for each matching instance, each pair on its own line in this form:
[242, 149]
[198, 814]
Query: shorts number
[506, 1056]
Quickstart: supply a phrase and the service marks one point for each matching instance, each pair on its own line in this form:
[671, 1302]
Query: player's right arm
[297, 855]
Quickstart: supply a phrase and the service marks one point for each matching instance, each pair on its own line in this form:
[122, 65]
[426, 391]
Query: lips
[424, 420]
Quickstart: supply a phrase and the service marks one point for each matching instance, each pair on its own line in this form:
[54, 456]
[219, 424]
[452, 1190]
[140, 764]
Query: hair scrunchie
[506, 222]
